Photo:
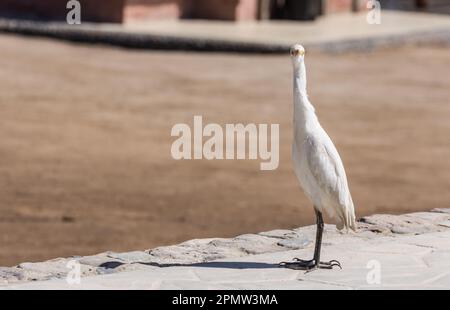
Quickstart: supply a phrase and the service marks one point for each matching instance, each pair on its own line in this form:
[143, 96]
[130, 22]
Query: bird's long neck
[304, 113]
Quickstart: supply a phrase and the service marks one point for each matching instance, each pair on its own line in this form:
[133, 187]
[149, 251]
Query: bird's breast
[301, 169]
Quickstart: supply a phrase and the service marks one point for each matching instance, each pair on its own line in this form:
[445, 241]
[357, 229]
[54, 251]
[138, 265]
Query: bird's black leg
[314, 263]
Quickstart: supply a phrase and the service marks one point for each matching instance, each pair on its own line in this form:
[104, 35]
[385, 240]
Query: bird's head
[297, 53]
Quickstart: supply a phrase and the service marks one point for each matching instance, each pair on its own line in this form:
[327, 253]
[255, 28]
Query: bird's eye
[296, 52]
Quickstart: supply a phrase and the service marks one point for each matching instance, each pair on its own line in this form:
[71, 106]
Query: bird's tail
[347, 219]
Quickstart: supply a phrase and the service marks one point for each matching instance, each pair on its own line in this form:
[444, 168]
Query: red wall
[153, 9]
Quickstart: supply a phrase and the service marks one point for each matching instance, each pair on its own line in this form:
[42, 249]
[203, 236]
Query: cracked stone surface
[408, 251]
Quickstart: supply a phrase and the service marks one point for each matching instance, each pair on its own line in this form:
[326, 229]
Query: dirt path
[85, 142]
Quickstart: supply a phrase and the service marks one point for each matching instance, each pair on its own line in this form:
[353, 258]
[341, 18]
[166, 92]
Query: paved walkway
[336, 32]
[409, 251]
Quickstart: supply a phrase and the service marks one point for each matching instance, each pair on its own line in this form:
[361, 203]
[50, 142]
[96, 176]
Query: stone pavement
[339, 32]
[410, 251]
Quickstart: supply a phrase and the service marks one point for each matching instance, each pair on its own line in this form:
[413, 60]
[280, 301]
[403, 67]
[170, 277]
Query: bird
[318, 167]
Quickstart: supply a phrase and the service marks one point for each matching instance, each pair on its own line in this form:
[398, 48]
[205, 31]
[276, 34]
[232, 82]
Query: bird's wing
[328, 171]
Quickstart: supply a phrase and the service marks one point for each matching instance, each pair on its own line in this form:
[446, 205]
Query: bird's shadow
[226, 265]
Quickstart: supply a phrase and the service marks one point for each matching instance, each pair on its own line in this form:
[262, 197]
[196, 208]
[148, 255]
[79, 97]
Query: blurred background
[85, 162]
[122, 11]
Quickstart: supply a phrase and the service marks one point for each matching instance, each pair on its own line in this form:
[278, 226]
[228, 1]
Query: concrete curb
[414, 249]
[136, 40]
[411, 251]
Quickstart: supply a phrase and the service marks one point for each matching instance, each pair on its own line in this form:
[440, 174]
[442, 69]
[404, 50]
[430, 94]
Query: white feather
[317, 163]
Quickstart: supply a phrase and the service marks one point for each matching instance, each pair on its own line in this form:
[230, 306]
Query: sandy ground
[85, 163]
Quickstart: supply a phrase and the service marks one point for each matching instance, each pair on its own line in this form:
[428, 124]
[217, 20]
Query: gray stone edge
[206, 251]
[93, 35]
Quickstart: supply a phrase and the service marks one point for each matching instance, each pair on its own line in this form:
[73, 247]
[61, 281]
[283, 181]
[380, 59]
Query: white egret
[318, 167]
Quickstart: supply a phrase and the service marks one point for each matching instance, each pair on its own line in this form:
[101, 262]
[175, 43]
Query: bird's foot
[309, 265]
[330, 264]
[299, 264]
